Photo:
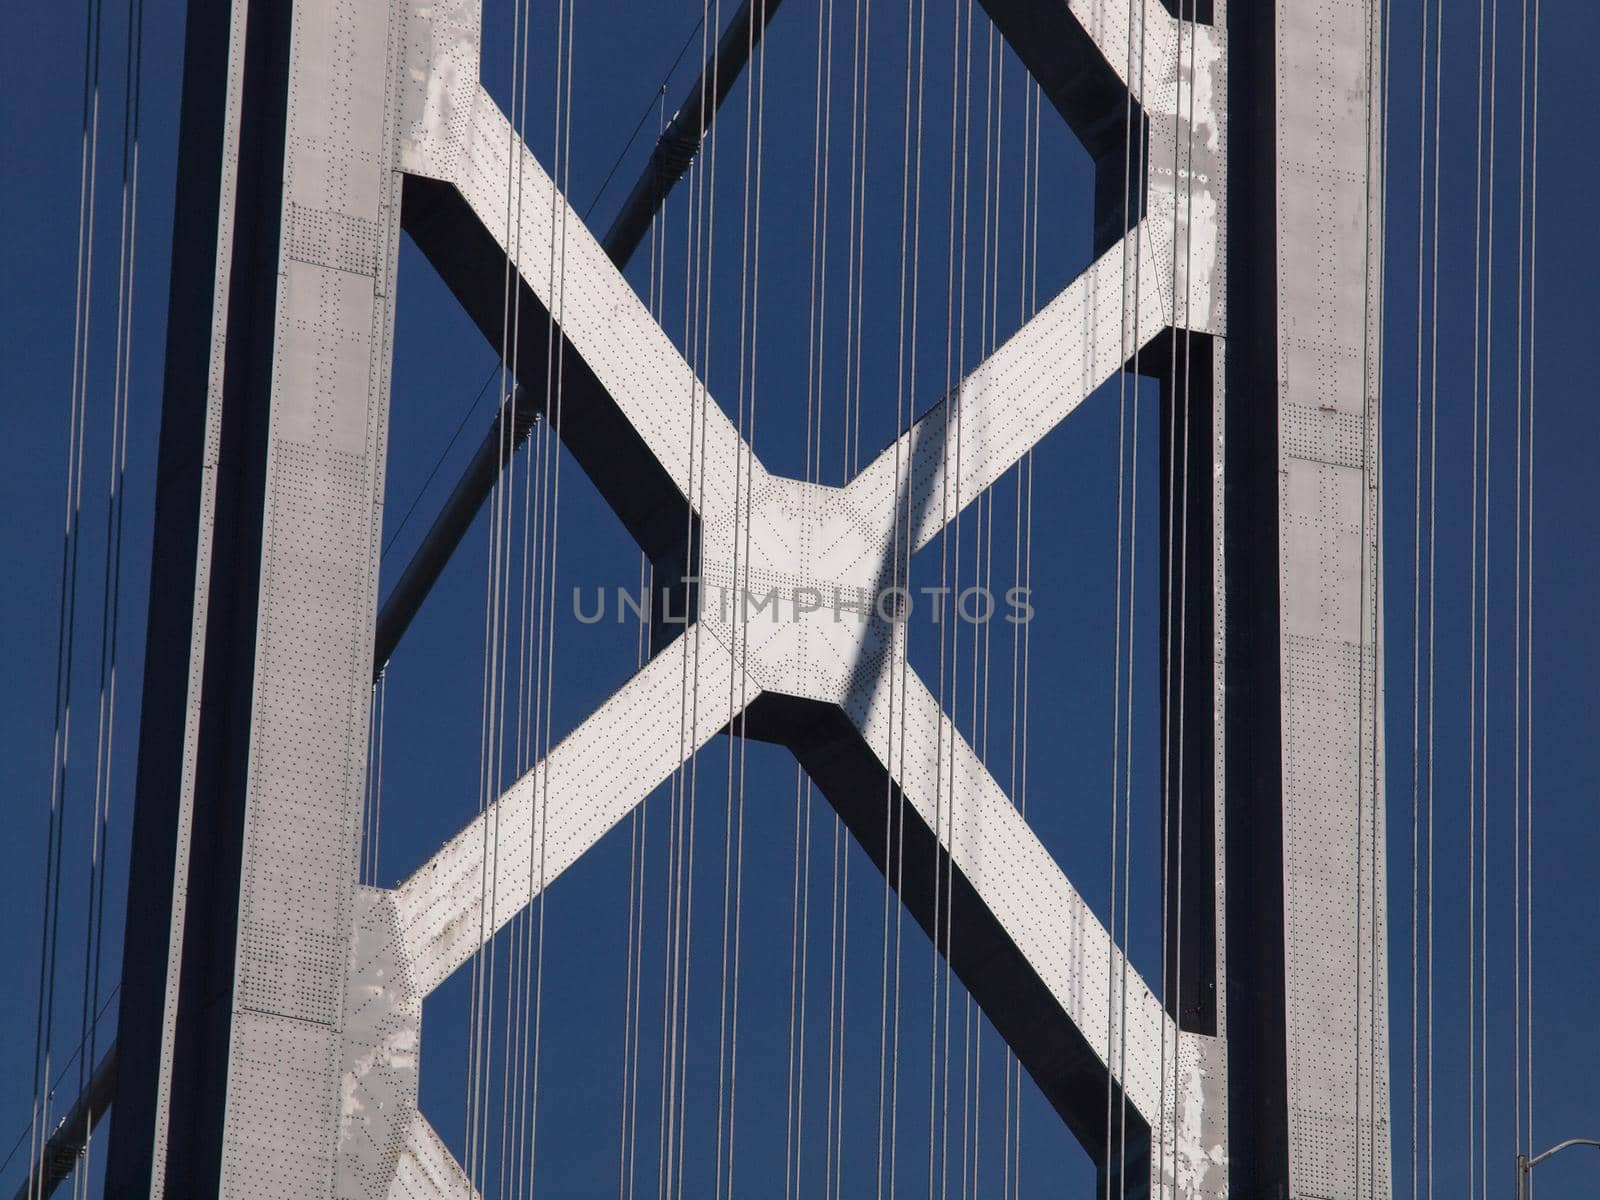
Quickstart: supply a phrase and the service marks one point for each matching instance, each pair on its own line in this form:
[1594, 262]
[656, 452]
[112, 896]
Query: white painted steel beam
[410, 939]
[1020, 885]
[966, 442]
[596, 775]
[454, 131]
[1328, 336]
[318, 593]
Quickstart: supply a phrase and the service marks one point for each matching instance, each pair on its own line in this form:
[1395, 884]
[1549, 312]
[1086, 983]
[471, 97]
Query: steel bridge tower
[271, 1006]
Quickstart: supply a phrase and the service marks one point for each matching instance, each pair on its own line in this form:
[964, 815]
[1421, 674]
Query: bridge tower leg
[268, 505]
[1301, 738]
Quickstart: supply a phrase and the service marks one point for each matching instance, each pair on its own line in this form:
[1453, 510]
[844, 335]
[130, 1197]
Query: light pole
[1525, 1165]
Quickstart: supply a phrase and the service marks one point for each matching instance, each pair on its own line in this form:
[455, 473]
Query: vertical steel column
[1306, 978]
[255, 707]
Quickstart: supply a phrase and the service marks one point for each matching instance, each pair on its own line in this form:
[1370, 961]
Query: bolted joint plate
[792, 589]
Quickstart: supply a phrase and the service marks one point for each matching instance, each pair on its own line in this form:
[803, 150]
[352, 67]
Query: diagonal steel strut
[674, 151]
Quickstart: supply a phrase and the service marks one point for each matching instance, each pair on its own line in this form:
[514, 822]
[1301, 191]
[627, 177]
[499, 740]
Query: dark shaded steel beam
[507, 432]
[1067, 1068]
[674, 151]
[1090, 97]
[64, 1146]
[608, 449]
[678, 144]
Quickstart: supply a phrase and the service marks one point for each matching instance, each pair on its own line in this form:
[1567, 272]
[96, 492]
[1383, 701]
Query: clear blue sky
[433, 719]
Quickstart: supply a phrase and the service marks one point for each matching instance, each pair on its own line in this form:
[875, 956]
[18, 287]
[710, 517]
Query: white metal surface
[1140, 42]
[318, 589]
[1026, 387]
[989, 842]
[591, 780]
[411, 938]
[452, 129]
[768, 535]
[1329, 286]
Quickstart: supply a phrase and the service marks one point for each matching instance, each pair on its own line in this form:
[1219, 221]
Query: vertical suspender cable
[1533, 280]
[1117, 653]
[1139, 164]
[1518, 1141]
[1009, 1116]
[555, 406]
[896, 650]
[44, 1027]
[1472, 642]
[894, 750]
[1487, 575]
[697, 319]
[981, 629]
[1416, 576]
[112, 571]
[1174, 589]
[816, 312]
[939, 1039]
[1177, 572]
[1433, 482]
[758, 85]
[481, 1003]
[734, 811]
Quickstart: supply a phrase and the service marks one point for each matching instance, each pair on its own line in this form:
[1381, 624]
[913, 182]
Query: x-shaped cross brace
[832, 685]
